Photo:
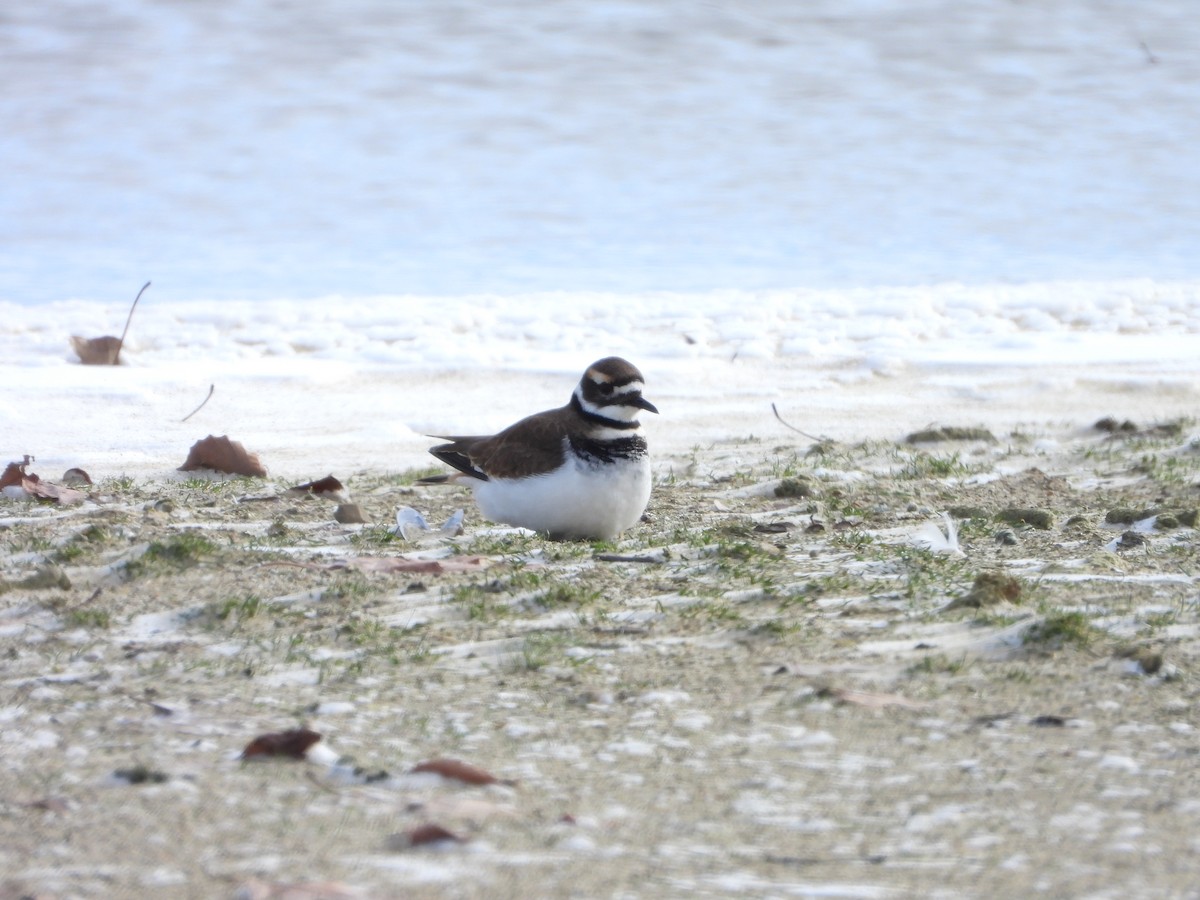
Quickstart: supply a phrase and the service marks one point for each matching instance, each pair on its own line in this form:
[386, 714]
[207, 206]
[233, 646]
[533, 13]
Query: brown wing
[530, 447]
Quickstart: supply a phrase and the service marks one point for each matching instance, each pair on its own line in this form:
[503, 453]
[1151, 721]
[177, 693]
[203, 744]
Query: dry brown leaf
[459, 771]
[44, 490]
[105, 351]
[101, 351]
[421, 566]
[320, 487]
[293, 744]
[223, 455]
[14, 473]
[429, 833]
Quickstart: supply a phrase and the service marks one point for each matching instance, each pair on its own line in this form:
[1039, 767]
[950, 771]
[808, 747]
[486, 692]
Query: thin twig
[211, 388]
[797, 430]
[121, 342]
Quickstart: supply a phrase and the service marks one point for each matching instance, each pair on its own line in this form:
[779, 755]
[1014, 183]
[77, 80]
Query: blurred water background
[249, 149]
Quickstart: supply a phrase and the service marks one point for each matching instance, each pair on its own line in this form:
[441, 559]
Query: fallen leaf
[459, 771]
[293, 743]
[15, 476]
[101, 351]
[105, 351]
[14, 473]
[44, 490]
[322, 486]
[223, 455]
[429, 833]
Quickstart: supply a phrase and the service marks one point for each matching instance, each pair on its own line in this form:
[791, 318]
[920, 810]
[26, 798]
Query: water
[246, 150]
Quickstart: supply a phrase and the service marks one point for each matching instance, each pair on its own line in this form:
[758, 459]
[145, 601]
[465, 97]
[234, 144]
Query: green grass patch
[89, 618]
[939, 664]
[185, 548]
[569, 593]
[237, 609]
[180, 551]
[1062, 629]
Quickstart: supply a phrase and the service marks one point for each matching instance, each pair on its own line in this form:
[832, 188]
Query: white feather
[931, 537]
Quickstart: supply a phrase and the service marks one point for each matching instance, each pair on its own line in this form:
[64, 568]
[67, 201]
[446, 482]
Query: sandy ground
[766, 689]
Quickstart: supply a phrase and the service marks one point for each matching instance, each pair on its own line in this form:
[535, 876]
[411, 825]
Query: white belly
[579, 501]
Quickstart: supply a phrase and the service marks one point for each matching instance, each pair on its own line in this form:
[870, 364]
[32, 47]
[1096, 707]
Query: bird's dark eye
[605, 388]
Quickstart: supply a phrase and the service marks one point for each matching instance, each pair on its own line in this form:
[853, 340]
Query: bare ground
[766, 689]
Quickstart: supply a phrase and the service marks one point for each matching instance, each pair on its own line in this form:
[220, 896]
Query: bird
[579, 472]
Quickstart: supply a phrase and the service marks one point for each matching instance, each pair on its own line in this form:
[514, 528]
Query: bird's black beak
[643, 403]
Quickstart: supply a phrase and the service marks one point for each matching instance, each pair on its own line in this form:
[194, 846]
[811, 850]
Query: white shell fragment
[409, 523]
[453, 526]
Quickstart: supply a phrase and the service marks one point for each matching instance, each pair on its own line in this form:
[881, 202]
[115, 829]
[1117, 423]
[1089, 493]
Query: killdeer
[578, 472]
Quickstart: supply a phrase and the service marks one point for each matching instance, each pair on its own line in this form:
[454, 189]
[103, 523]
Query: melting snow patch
[160, 626]
[334, 708]
[943, 815]
[694, 721]
[667, 698]
[1123, 763]
[632, 747]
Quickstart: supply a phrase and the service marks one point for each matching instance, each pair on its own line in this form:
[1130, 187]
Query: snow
[367, 222]
[343, 384]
